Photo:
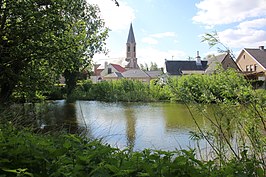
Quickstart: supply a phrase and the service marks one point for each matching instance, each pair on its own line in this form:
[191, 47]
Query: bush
[120, 90]
[215, 88]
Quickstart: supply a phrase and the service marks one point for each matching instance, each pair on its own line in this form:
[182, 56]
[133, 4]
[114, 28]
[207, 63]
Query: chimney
[261, 47]
[105, 64]
[198, 60]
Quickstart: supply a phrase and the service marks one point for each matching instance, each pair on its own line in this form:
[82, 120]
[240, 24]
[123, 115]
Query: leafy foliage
[216, 88]
[39, 40]
[237, 117]
[24, 153]
[121, 90]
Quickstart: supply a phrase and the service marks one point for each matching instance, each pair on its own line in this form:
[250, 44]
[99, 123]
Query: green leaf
[19, 171]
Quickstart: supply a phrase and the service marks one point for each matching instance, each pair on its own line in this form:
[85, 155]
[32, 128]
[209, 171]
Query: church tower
[131, 50]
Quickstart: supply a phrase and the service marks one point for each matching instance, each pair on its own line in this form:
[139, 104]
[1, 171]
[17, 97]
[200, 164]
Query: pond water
[163, 126]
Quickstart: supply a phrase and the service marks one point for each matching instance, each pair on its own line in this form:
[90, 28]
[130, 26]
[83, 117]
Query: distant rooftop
[136, 73]
[176, 67]
[259, 54]
[119, 68]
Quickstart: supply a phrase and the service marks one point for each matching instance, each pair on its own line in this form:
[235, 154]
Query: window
[247, 67]
[109, 70]
[244, 56]
[255, 67]
[134, 48]
[251, 67]
[128, 48]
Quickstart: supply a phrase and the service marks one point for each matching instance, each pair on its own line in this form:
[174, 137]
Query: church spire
[131, 37]
[131, 50]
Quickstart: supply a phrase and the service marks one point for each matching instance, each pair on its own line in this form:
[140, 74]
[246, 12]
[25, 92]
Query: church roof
[131, 37]
[176, 67]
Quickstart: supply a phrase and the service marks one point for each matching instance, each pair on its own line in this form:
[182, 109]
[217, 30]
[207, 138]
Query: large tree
[41, 39]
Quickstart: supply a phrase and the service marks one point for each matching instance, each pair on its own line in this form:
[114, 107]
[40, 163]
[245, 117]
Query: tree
[142, 66]
[154, 67]
[213, 40]
[116, 2]
[39, 40]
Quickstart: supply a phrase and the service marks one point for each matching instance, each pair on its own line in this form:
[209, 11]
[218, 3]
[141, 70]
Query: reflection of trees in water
[51, 116]
[131, 127]
[178, 116]
[68, 118]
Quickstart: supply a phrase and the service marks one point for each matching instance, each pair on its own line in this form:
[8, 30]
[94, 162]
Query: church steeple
[131, 50]
[131, 37]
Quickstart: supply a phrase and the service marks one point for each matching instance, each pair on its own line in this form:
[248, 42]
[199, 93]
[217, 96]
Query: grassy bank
[24, 153]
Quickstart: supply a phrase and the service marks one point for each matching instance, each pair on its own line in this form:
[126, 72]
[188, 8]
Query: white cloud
[176, 41]
[246, 34]
[116, 18]
[255, 24]
[152, 38]
[149, 40]
[217, 12]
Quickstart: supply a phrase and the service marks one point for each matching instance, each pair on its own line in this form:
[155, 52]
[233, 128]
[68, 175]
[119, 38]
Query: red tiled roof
[119, 68]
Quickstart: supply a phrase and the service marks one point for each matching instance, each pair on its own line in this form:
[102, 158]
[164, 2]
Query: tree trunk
[71, 81]
[5, 92]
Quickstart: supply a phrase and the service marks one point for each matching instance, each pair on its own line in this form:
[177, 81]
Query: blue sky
[172, 29]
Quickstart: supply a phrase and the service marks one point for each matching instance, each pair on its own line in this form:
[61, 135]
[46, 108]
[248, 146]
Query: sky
[173, 29]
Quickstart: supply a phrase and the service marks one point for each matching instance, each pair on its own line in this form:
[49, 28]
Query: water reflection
[136, 125]
[51, 116]
[177, 116]
[130, 126]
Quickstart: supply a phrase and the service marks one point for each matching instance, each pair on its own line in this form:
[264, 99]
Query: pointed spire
[131, 37]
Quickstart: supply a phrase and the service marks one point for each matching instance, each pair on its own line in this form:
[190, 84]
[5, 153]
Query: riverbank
[24, 153]
[237, 137]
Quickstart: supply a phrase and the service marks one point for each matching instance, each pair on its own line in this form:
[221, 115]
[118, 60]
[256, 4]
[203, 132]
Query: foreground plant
[24, 153]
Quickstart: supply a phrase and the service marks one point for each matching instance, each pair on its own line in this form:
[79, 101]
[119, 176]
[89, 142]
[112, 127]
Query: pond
[164, 126]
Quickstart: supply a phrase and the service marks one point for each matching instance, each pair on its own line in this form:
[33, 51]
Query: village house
[184, 67]
[134, 74]
[252, 63]
[99, 73]
[225, 60]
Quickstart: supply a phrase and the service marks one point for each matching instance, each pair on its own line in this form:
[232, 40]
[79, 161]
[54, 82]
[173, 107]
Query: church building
[131, 70]
[131, 50]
